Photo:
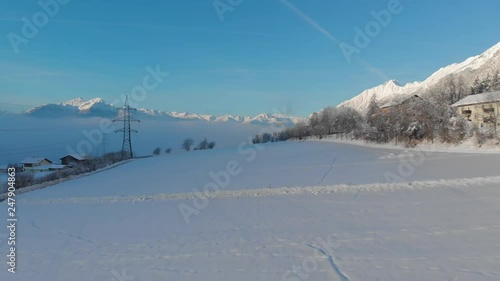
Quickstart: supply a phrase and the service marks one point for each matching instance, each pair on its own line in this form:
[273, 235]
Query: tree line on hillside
[425, 117]
[490, 83]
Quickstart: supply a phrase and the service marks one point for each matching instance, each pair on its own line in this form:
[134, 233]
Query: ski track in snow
[263, 192]
[331, 259]
[77, 237]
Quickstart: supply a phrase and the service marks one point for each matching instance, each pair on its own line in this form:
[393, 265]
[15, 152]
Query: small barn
[35, 164]
[72, 159]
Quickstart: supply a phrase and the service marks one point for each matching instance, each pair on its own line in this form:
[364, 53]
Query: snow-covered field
[285, 211]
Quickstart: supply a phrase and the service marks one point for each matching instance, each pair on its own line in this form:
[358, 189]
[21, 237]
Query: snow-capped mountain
[74, 107]
[389, 90]
[467, 71]
[97, 107]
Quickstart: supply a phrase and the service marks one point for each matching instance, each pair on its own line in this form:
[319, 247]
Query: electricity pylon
[126, 118]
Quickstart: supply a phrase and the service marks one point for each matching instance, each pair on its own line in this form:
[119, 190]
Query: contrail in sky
[325, 32]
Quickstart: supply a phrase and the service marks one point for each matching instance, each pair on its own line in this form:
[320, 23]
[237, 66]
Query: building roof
[478, 99]
[75, 156]
[34, 160]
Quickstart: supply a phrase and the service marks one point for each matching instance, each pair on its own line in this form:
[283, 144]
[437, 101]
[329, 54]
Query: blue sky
[264, 54]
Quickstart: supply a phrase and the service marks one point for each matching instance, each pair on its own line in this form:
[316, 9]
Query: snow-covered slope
[97, 107]
[141, 220]
[478, 66]
[389, 90]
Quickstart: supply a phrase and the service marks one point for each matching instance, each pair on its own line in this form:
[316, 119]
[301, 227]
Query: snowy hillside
[292, 211]
[97, 107]
[478, 66]
[389, 90]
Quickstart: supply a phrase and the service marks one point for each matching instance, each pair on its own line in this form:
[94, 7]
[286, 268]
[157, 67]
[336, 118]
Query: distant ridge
[97, 107]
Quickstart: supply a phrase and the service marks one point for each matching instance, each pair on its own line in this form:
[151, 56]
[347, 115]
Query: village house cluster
[41, 164]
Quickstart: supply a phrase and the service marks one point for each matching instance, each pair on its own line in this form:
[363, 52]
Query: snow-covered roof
[477, 99]
[34, 160]
[76, 156]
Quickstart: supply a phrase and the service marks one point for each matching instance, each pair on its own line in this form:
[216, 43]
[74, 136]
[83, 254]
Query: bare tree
[267, 137]
[495, 81]
[203, 145]
[187, 143]
[348, 120]
[257, 139]
[373, 110]
[316, 126]
[328, 119]
[211, 145]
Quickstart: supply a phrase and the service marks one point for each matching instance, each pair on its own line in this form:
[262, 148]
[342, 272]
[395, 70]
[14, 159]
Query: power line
[35, 146]
[126, 118]
[30, 152]
[39, 129]
[103, 144]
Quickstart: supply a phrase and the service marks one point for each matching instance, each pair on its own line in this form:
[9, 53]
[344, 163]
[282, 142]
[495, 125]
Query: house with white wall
[482, 110]
[35, 164]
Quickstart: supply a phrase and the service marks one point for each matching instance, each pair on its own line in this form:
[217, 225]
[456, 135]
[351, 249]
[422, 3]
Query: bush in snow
[211, 145]
[24, 179]
[187, 143]
[202, 145]
[256, 139]
[157, 151]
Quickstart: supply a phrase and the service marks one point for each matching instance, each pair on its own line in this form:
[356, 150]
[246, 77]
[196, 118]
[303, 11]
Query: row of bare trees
[490, 83]
[413, 121]
[187, 144]
[410, 121]
[342, 121]
[425, 117]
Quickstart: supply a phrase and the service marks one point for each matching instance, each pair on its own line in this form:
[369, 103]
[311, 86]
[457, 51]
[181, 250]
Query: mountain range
[465, 72]
[97, 107]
